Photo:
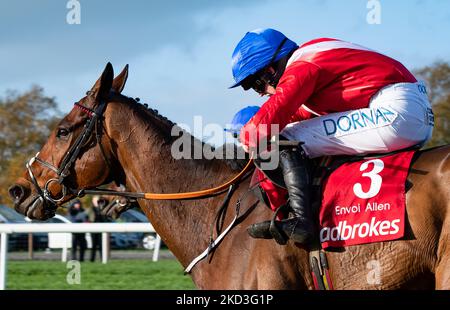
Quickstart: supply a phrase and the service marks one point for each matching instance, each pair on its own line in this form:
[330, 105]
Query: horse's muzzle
[17, 193]
[32, 206]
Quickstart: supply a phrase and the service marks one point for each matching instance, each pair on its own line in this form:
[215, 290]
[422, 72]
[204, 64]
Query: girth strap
[214, 243]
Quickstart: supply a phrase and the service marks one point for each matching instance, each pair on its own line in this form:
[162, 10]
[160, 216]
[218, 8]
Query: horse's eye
[62, 132]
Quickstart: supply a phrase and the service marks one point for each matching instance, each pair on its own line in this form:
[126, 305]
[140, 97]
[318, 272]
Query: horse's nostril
[16, 192]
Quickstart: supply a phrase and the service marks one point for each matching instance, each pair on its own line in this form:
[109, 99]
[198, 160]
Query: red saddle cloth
[362, 202]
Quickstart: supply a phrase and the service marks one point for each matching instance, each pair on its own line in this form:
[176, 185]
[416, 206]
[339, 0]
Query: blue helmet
[256, 50]
[241, 118]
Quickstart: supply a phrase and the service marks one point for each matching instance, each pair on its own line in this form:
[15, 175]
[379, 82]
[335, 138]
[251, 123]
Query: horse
[131, 145]
[116, 207]
[112, 207]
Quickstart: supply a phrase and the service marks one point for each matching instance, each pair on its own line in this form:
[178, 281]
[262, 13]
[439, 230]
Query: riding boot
[297, 178]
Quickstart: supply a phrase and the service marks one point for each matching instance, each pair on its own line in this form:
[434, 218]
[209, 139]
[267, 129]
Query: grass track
[116, 275]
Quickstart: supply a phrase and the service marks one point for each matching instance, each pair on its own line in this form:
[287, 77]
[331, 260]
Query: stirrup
[276, 232]
[304, 238]
[269, 229]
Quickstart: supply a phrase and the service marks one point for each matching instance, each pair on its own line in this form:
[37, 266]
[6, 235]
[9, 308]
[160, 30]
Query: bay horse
[131, 145]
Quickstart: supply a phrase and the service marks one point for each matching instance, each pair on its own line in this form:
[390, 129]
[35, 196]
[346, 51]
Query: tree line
[26, 120]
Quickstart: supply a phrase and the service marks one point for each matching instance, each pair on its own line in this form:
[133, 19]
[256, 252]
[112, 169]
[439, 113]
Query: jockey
[336, 97]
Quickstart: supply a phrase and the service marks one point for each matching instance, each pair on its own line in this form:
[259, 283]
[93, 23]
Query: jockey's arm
[295, 87]
[301, 115]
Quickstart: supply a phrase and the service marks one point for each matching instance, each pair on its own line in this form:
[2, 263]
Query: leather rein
[94, 122]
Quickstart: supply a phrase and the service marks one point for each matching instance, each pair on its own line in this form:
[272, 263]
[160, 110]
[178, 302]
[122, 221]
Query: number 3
[375, 179]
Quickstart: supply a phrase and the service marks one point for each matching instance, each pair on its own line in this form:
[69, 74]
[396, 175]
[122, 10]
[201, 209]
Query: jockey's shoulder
[318, 40]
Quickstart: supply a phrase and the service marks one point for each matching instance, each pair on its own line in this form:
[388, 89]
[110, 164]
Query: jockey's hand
[246, 148]
[244, 145]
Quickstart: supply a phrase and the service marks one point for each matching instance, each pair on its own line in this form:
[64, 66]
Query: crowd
[77, 214]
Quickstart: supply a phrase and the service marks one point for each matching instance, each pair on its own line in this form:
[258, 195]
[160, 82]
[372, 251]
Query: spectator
[95, 216]
[78, 215]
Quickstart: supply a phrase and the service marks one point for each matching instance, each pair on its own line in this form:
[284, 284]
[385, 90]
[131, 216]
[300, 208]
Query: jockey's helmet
[258, 49]
[241, 118]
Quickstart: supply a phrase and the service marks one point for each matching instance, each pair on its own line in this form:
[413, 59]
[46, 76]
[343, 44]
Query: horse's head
[117, 206]
[77, 155]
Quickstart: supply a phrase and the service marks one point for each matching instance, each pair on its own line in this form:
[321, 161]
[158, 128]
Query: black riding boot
[297, 178]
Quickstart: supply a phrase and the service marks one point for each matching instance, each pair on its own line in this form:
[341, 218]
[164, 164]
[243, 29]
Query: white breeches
[398, 116]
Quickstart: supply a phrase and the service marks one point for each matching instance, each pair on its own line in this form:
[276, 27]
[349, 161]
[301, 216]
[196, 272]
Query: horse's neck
[145, 156]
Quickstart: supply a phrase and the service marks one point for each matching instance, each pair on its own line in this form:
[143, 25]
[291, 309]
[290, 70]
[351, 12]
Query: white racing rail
[104, 228]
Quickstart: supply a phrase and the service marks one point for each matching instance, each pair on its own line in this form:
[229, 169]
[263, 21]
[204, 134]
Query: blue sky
[179, 51]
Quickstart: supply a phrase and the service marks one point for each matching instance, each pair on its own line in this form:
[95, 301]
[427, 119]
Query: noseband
[63, 171]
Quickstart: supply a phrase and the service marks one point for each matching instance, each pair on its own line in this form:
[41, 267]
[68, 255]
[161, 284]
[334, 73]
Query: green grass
[116, 275]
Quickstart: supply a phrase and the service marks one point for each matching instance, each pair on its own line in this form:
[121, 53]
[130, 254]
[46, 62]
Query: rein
[206, 193]
[93, 124]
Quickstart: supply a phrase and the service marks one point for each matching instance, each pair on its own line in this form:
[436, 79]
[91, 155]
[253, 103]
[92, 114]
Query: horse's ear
[120, 80]
[102, 87]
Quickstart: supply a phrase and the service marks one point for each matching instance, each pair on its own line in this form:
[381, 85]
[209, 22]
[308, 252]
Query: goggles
[260, 79]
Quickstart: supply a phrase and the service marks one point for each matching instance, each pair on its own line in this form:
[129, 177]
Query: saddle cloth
[361, 201]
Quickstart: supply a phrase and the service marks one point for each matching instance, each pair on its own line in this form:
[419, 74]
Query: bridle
[94, 122]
